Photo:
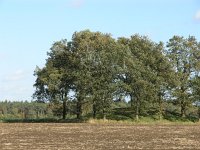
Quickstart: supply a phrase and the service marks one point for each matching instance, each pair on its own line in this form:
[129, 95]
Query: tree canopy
[94, 70]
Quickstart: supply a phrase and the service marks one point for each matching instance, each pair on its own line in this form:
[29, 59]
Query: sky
[28, 28]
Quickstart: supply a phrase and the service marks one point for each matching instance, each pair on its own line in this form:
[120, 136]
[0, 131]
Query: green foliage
[183, 54]
[100, 70]
[24, 110]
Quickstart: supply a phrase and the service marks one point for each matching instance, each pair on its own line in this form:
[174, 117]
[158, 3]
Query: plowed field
[63, 136]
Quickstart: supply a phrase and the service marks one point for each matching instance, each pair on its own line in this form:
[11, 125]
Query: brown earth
[61, 136]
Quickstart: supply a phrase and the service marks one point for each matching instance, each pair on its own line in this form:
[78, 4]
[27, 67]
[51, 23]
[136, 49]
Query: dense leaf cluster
[24, 110]
[94, 70]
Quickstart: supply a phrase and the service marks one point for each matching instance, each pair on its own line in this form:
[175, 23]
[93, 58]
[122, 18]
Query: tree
[99, 69]
[144, 72]
[54, 81]
[94, 77]
[183, 54]
[84, 65]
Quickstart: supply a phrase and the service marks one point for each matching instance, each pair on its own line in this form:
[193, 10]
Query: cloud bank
[77, 3]
[15, 86]
[197, 15]
[16, 76]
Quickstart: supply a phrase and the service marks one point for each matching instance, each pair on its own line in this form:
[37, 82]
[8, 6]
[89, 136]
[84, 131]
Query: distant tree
[54, 81]
[144, 72]
[94, 75]
[99, 69]
[184, 55]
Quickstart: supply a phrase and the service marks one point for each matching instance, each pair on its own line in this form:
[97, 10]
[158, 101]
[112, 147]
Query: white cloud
[77, 3]
[16, 76]
[197, 15]
[2, 56]
[15, 92]
[16, 85]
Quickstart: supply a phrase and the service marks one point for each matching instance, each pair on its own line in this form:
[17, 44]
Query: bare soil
[64, 136]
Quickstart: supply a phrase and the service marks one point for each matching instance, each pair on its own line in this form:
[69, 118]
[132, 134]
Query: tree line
[25, 110]
[33, 111]
[93, 71]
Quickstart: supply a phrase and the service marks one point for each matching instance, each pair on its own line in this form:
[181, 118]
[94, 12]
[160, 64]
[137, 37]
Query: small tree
[183, 54]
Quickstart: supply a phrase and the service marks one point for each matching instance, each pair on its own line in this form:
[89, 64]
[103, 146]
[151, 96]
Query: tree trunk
[94, 111]
[64, 108]
[160, 112]
[160, 107]
[79, 109]
[183, 103]
[199, 112]
[184, 98]
[183, 109]
[37, 114]
[131, 95]
[104, 115]
[26, 111]
[137, 112]
[137, 109]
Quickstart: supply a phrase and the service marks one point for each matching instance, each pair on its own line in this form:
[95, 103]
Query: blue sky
[28, 28]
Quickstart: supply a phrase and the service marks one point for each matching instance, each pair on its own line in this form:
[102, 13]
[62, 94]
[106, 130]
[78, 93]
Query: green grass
[43, 120]
[117, 115]
[141, 121]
